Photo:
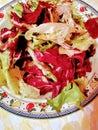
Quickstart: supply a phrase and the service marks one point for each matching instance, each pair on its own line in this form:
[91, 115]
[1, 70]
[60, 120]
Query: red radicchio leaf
[56, 90]
[10, 45]
[33, 70]
[30, 17]
[6, 33]
[36, 81]
[92, 27]
[65, 68]
[45, 4]
[16, 20]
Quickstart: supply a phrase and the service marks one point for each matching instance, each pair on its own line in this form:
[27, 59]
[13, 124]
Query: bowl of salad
[48, 57]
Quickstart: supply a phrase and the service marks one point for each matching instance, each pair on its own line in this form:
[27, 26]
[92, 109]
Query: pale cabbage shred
[58, 33]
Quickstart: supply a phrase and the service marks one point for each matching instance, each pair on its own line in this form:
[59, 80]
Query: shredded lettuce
[70, 94]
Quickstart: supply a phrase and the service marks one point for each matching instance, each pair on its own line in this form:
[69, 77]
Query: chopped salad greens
[45, 49]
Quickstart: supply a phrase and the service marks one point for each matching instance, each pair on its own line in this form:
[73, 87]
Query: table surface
[86, 119]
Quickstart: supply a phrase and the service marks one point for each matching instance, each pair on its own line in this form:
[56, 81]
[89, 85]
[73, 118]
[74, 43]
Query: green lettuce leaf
[2, 78]
[18, 9]
[4, 66]
[41, 45]
[70, 94]
[9, 76]
[12, 83]
[4, 61]
[82, 42]
[34, 4]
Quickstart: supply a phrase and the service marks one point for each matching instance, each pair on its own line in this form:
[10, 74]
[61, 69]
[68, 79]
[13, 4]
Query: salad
[45, 51]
